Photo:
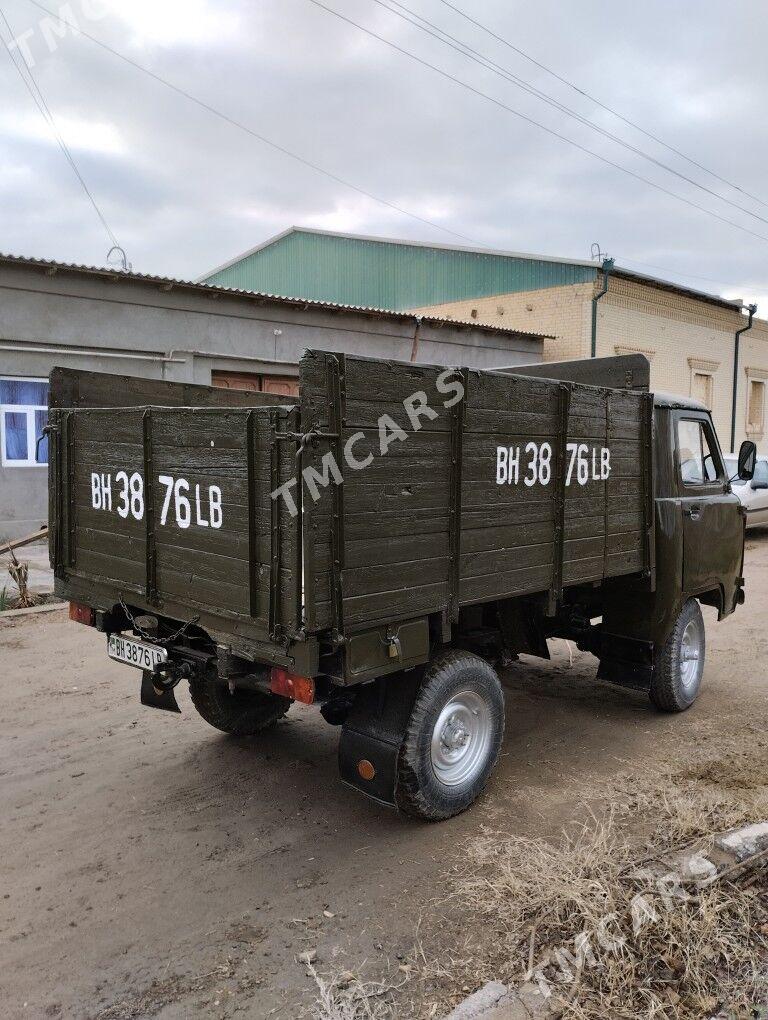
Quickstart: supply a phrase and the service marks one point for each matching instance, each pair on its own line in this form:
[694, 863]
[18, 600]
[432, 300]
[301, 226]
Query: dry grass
[345, 997]
[518, 903]
[20, 575]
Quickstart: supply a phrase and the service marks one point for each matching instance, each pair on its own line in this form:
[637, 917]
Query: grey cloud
[188, 192]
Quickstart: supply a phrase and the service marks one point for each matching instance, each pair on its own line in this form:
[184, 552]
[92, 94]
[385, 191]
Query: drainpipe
[416, 332]
[607, 267]
[751, 309]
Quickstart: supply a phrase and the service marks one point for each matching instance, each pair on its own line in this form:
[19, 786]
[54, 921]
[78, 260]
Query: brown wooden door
[237, 381]
[283, 385]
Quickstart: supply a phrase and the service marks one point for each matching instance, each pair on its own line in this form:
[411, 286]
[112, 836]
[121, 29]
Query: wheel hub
[690, 655]
[461, 739]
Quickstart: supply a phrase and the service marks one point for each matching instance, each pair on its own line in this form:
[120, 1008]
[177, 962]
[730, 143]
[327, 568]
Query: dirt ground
[152, 867]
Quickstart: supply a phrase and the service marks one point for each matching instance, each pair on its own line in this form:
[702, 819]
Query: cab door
[713, 524]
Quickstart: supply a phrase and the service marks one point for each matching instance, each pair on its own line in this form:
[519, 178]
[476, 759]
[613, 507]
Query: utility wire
[479, 58]
[250, 131]
[598, 102]
[39, 99]
[531, 120]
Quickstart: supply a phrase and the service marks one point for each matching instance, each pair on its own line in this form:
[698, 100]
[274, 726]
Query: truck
[384, 544]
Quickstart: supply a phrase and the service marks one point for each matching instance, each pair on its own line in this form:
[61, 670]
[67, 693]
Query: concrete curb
[48, 607]
[479, 1002]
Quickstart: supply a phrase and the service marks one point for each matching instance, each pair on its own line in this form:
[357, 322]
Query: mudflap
[157, 697]
[373, 732]
[627, 662]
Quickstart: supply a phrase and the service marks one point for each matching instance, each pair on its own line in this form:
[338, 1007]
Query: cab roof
[674, 400]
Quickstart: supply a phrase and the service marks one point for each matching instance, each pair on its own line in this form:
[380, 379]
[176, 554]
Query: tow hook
[157, 686]
[168, 675]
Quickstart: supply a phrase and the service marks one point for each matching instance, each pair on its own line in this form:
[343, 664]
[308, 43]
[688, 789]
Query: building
[688, 336]
[128, 324]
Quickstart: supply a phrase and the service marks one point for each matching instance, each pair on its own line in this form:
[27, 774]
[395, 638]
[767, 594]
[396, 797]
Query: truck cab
[692, 476]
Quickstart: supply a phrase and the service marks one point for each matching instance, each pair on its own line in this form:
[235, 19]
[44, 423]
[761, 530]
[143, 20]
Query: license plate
[135, 653]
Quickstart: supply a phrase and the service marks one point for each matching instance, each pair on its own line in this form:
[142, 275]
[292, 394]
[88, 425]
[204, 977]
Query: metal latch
[47, 431]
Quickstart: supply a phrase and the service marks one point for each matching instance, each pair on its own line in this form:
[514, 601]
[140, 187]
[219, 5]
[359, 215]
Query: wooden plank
[18, 543]
[76, 388]
[501, 561]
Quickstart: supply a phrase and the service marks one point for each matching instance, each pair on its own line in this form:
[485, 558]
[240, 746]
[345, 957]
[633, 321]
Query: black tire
[671, 689]
[243, 713]
[421, 790]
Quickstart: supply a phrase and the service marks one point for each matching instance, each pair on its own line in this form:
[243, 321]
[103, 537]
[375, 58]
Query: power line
[479, 58]
[531, 120]
[598, 102]
[39, 100]
[250, 131]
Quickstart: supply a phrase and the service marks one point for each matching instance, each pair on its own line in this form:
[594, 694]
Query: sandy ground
[151, 867]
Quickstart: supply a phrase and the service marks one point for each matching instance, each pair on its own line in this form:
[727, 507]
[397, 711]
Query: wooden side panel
[548, 485]
[508, 473]
[395, 523]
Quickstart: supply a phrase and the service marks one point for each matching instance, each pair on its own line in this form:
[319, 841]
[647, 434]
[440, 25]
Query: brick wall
[563, 312]
[682, 338]
[753, 365]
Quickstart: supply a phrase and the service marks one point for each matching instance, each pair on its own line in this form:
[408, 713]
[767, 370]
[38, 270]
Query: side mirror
[747, 460]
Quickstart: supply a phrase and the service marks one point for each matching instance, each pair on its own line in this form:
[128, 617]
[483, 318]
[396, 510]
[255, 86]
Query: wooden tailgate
[171, 507]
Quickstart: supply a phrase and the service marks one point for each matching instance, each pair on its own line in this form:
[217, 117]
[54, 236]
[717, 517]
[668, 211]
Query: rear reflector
[82, 614]
[289, 685]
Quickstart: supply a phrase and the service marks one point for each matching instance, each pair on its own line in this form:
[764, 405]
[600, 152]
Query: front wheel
[680, 667]
[453, 737]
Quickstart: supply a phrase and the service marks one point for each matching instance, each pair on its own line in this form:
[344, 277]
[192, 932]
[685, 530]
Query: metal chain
[153, 637]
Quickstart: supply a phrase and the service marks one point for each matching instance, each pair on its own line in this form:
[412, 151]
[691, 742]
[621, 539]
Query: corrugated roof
[171, 282]
[619, 271]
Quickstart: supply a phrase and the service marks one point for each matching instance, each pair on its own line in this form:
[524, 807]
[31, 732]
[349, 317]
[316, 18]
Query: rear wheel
[680, 666]
[242, 713]
[453, 737]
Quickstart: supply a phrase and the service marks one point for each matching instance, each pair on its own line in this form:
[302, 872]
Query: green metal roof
[379, 273]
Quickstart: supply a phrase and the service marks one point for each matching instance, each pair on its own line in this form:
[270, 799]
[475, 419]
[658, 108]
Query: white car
[754, 494]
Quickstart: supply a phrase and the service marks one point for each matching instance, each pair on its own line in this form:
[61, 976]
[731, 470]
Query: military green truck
[384, 544]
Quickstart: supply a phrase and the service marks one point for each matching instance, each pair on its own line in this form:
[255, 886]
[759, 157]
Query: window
[697, 461]
[23, 416]
[701, 388]
[756, 407]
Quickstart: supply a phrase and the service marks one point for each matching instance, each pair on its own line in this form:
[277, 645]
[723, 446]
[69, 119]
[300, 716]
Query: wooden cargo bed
[476, 486]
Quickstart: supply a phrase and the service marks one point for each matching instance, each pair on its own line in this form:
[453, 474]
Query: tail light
[82, 614]
[289, 685]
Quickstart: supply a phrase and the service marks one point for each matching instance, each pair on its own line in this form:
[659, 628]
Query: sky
[410, 153]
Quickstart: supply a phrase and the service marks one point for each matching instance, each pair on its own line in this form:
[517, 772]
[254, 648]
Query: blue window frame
[23, 416]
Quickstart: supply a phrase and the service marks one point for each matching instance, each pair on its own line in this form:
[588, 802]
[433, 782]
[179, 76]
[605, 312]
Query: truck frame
[384, 544]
